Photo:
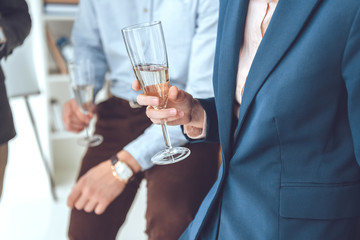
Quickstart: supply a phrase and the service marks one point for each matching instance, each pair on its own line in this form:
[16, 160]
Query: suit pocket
[320, 201]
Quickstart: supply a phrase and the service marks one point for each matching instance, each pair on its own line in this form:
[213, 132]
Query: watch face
[123, 171]
[120, 169]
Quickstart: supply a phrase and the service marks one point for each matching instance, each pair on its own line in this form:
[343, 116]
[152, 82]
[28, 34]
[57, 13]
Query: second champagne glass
[82, 83]
[145, 44]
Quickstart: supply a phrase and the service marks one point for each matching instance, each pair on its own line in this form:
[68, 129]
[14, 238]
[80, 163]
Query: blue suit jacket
[291, 171]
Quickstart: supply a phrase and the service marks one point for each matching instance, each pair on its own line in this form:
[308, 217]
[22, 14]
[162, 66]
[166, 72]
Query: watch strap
[114, 159]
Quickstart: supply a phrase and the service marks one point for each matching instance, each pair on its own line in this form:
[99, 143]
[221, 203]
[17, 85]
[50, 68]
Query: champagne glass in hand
[145, 44]
[82, 83]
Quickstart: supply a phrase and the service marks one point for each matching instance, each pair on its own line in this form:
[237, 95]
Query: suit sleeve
[16, 23]
[351, 75]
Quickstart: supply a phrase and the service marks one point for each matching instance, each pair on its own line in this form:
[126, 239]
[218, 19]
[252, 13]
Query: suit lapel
[230, 35]
[285, 25]
[231, 29]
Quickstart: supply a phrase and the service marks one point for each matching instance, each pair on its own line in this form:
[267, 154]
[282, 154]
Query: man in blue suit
[287, 116]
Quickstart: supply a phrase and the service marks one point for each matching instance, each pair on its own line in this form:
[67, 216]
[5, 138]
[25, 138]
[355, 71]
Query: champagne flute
[145, 45]
[82, 83]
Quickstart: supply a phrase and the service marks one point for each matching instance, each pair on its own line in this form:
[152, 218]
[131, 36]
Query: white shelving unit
[51, 17]
[64, 152]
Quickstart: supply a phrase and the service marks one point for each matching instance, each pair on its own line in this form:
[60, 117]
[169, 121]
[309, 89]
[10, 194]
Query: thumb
[136, 85]
[174, 94]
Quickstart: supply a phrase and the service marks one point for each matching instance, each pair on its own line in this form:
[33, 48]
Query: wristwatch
[121, 170]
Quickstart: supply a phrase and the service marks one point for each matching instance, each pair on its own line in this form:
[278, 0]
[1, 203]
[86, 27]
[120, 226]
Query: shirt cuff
[144, 162]
[196, 133]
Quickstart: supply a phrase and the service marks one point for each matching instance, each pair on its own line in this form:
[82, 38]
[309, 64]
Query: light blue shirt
[190, 34]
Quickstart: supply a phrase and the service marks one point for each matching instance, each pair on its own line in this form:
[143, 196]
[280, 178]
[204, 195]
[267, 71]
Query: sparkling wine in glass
[150, 74]
[145, 45]
[82, 83]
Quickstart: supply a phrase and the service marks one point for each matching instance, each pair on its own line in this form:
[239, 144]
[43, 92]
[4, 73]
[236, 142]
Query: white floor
[27, 211]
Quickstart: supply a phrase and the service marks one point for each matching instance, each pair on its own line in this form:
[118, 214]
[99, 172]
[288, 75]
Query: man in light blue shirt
[101, 200]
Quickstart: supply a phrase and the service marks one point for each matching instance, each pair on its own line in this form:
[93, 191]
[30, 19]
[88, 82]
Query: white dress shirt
[257, 20]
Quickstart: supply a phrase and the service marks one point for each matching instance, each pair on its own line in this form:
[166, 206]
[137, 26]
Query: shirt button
[145, 10]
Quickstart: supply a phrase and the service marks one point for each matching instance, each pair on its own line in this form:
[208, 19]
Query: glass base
[169, 156]
[91, 141]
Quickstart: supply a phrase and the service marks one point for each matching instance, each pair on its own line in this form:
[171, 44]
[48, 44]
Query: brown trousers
[3, 162]
[174, 192]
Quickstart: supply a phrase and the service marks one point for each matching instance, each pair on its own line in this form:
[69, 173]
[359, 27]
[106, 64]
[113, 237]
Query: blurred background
[38, 85]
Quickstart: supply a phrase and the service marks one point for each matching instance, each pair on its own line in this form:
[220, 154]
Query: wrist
[197, 114]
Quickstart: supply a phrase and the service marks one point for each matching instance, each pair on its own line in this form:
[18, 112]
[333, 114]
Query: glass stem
[166, 136]
[87, 132]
